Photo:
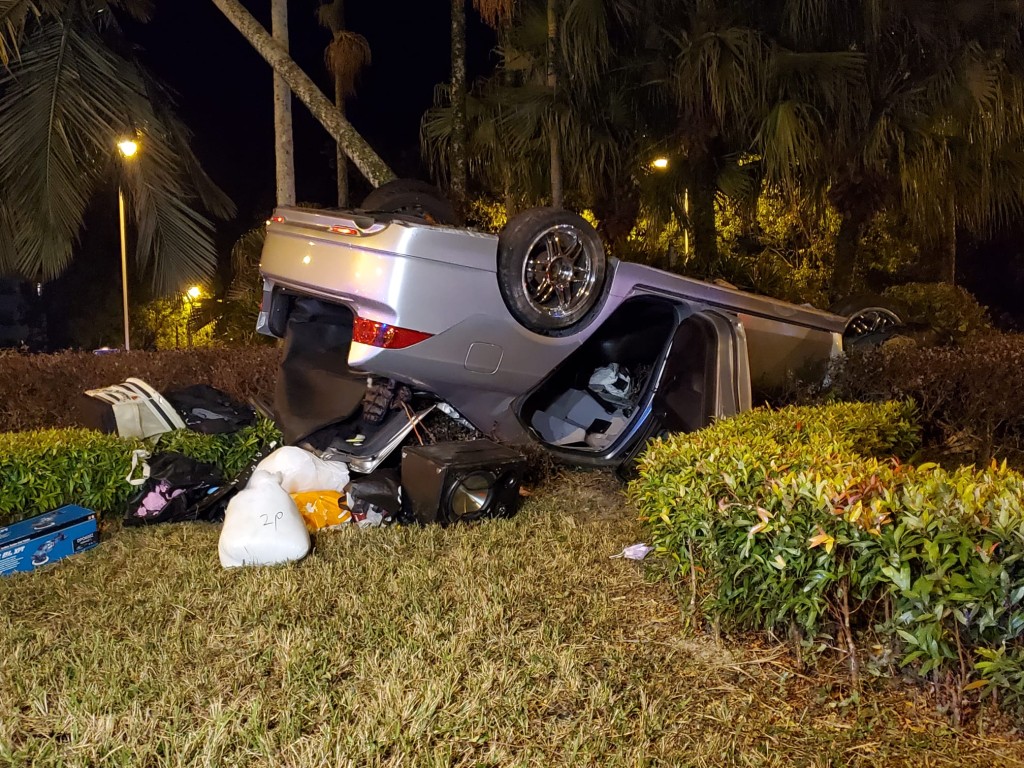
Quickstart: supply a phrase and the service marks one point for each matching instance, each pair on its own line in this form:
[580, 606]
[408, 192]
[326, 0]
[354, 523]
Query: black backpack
[210, 411]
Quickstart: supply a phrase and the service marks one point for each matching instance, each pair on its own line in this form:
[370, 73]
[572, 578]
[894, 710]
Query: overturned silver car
[532, 336]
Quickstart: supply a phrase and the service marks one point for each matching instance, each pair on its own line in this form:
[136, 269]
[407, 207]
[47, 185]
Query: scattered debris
[322, 509]
[131, 409]
[635, 552]
[375, 499]
[210, 411]
[302, 471]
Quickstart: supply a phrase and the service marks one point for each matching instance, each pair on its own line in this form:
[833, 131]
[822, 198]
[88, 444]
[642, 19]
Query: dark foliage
[46, 391]
[968, 397]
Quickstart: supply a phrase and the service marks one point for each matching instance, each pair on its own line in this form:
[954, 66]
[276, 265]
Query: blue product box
[28, 544]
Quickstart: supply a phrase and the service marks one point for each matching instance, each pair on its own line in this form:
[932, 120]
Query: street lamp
[661, 163]
[191, 295]
[128, 149]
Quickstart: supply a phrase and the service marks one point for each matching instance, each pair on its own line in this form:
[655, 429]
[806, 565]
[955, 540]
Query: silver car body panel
[442, 281]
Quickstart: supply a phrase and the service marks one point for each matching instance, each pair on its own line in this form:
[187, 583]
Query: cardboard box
[29, 544]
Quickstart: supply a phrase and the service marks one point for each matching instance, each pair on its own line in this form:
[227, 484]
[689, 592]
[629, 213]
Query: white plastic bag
[612, 384]
[262, 525]
[301, 471]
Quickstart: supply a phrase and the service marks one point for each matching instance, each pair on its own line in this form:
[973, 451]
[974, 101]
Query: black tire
[870, 319]
[413, 199]
[550, 292]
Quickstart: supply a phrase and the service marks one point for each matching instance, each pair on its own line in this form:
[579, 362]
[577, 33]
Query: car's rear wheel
[870, 319]
[415, 199]
[551, 269]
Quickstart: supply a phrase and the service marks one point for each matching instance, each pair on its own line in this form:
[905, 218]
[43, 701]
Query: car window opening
[591, 399]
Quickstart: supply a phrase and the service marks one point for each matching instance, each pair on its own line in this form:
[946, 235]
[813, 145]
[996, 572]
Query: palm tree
[71, 89]
[524, 133]
[362, 155]
[284, 142]
[496, 14]
[719, 87]
[346, 55]
[925, 119]
[551, 80]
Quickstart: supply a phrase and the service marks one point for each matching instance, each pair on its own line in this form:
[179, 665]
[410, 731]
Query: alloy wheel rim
[872, 320]
[558, 273]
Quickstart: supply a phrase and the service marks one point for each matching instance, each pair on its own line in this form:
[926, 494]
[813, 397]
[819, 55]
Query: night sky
[224, 89]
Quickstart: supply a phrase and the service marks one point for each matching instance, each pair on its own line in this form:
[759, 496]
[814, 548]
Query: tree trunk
[458, 97]
[283, 144]
[702, 213]
[342, 161]
[552, 82]
[363, 157]
[845, 266]
[944, 266]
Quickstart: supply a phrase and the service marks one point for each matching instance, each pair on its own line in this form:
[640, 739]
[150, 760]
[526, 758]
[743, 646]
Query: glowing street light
[128, 149]
[661, 163]
[195, 292]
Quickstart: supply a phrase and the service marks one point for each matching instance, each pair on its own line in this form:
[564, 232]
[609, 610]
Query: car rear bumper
[421, 278]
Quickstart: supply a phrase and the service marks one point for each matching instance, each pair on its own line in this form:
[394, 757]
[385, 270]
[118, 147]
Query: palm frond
[981, 80]
[819, 64]
[789, 140]
[346, 56]
[331, 15]
[174, 241]
[140, 10]
[62, 108]
[810, 18]
[14, 15]
[8, 252]
[739, 179]
[583, 37]
[56, 108]
[245, 265]
[495, 13]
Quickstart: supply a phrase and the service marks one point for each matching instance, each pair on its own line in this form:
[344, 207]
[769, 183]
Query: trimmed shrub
[952, 564]
[949, 311]
[802, 519]
[46, 469]
[45, 391]
[739, 501]
[968, 398]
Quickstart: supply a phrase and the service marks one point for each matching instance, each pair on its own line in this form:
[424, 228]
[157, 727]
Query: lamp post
[661, 164]
[191, 295]
[128, 149]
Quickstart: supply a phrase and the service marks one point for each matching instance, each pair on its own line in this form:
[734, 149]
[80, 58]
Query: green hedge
[46, 469]
[948, 311]
[802, 518]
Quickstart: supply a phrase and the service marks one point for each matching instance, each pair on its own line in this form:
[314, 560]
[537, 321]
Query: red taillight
[344, 230]
[275, 220]
[385, 336]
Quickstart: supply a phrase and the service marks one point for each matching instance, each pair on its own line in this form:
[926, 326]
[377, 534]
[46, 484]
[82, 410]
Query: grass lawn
[510, 643]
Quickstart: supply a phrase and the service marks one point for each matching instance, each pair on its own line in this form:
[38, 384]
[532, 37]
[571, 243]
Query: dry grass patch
[510, 643]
